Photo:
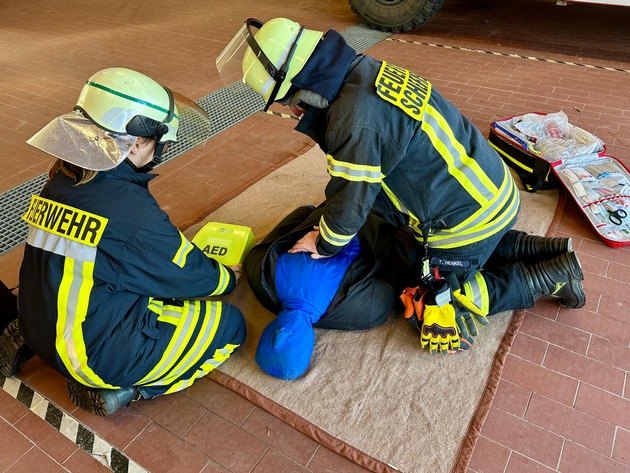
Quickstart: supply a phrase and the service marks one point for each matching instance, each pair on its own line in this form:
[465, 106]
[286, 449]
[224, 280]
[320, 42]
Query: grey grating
[226, 107]
[360, 37]
[14, 202]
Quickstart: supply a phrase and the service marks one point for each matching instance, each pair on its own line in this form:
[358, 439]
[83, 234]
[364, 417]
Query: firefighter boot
[102, 402]
[560, 278]
[13, 350]
[521, 247]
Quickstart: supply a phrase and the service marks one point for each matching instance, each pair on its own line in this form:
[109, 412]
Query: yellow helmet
[124, 101]
[276, 54]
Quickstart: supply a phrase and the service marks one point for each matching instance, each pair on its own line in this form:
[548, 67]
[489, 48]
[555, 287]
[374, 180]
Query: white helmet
[115, 106]
[125, 101]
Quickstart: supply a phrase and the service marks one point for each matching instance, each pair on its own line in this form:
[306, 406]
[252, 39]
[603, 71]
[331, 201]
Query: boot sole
[13, 351]
[87, 398]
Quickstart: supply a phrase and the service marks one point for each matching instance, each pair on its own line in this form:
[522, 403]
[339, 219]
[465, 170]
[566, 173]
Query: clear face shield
[76, 139]
[243, 60]
[193, 129]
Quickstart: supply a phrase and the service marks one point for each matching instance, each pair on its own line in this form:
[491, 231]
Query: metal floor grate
[220, 105]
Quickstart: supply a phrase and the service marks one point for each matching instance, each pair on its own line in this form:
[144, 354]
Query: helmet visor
[75, 139]
[243, 58]
[194, 127]
[230, 62]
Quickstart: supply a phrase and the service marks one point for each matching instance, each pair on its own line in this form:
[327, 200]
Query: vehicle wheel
[395, 15]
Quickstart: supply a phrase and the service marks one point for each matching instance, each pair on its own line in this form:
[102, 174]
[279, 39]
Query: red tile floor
[563, 403]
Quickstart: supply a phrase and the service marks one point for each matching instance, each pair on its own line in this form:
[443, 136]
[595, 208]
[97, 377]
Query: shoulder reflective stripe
[59, 245]
[205, 336]
[65, 221]
[404, 89]
[182, 252]
[354, 172]
[331, 237]
[224, 280]
[411, 93]
[461, 166]
[220, 355]
[477, 290]
[72, 305]
[187, 317]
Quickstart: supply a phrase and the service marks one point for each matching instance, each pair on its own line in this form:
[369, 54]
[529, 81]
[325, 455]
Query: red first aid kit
[547, 151]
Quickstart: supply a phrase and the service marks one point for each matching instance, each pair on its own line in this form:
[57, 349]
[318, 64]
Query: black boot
[102, 402]
[518, 246]
[13, 350]
[559, 277]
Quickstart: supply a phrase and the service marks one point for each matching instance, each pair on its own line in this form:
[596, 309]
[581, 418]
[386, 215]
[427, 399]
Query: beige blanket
[374, 396]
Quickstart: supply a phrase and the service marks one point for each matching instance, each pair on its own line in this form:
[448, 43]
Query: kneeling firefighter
[109, 287]
[394, 142]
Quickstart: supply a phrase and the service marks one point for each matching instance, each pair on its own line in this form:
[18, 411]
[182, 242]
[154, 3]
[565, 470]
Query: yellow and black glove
[439, 328]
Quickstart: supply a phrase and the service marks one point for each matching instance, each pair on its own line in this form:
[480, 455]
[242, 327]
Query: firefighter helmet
[286, 46]
[115, 106]
[127, 102]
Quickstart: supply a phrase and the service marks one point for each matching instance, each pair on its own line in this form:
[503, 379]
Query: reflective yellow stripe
[72, 306]
[200, 345]
[452, 239]
[155, 305]
[488, 212]
[220, 355]
[224, 280]
[182, 252]
[515, 161]
[461, 166]
[354, 172]
[331, 237]
[477, 290]
[482, 224]
[186, 318]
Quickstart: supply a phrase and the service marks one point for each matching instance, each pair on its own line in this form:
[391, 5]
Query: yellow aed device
[225, 242]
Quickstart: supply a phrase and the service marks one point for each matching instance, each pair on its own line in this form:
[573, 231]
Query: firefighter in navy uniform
[110, 290]
[393, 141]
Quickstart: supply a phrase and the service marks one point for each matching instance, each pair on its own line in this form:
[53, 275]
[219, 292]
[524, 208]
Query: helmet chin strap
[278, 75]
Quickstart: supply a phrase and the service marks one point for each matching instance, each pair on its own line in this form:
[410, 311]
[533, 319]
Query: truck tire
[395, 16]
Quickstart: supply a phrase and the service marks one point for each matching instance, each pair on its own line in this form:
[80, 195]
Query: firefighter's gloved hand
[470, 324]
[465, 337]
[439, 328]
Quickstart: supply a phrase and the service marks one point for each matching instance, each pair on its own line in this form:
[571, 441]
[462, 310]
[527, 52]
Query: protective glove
[439, 328]
[413, 300]
[472, 316]
[465, 337]
[470, 324]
